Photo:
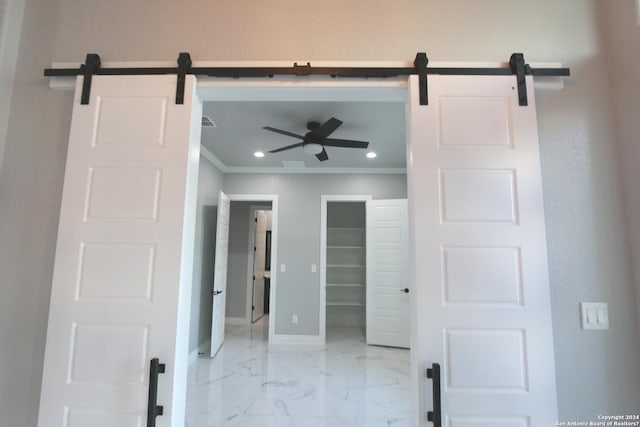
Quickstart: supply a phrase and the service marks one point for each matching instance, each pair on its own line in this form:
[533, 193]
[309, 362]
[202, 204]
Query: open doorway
[248, 270]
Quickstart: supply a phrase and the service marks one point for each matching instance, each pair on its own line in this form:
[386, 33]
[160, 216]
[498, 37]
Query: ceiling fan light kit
[313, 148]
[315, 141]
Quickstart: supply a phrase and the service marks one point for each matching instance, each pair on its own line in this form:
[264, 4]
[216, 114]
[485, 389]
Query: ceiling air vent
[293, 164]
[207, 122]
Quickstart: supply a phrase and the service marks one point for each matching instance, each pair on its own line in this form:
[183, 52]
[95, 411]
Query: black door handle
[435, 416]
[153, 409]
[405, 290]
[214, 293]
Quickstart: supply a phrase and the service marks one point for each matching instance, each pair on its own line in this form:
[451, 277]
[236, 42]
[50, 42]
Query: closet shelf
[345, 265]
[344, 304]
[344, 247]
[346, 285]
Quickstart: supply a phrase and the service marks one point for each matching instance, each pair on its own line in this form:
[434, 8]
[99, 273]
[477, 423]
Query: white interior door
[219, 294]
[388, 290]
[121, 288]
[479, 254]
[259, 251]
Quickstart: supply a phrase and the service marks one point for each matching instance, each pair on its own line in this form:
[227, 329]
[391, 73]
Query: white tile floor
[345, 384]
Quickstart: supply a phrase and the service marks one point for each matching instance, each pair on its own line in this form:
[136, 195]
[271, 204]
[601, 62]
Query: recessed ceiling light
[372, 155]
[258, 154]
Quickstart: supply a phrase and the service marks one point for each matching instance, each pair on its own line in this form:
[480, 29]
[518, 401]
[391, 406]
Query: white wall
[209, 184]
[298, 289]
[588, 245]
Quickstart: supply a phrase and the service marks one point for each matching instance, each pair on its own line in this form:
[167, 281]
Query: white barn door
[387, 263]
[121, 287]
[220, 273]
[482, 305]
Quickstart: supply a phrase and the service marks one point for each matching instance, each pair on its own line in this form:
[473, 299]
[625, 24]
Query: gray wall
[586, 216]
[30, 189]
[11, 12]
[238, 257]
[298, 289]
[622, 37]
[209, 184]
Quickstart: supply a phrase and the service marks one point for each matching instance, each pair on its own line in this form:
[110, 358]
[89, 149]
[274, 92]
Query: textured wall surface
[591, 221]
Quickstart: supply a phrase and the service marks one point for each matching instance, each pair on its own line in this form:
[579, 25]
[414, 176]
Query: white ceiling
[238, 134]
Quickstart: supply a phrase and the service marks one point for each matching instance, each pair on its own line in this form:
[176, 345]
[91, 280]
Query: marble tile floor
[345, 383]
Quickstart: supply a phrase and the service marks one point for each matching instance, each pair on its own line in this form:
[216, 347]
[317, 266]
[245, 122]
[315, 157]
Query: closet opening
[345, 269]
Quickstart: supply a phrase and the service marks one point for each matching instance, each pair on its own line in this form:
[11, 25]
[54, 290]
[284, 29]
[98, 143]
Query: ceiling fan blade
[288, 147]
[322, 156]
[345, 143]
[327, 128]
[283, 132]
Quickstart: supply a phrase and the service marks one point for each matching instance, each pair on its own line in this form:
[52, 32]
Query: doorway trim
[273, 198]
[324, 200]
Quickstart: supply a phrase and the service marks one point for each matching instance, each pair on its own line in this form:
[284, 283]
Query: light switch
[314, 268]
[594, 315]
[283, 268]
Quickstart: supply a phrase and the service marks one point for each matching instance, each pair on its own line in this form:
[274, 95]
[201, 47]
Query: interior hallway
[345, 384]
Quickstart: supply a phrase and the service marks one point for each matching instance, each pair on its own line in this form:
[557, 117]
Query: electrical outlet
[283, 268]
[314, 268]
[294, 318]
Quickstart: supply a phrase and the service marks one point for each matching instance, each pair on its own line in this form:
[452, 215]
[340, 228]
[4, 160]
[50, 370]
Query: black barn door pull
[153, 410]
[435, 416]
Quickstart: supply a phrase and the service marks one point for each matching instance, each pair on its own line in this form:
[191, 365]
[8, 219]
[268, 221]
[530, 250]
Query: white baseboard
[204, 348]
[308, 340]
[236, 321]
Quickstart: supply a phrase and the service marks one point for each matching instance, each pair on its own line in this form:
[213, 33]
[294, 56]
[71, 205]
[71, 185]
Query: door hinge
[254, 248]
[253, 307]
[254, 277]
[255, 219]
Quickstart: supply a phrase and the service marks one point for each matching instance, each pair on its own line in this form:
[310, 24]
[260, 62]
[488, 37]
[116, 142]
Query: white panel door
[259, 251]
[121, 289]
[387, 281]
[219, 294]
[479, 254]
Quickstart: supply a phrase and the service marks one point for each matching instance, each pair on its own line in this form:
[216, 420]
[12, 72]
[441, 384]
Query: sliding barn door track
[517, 67]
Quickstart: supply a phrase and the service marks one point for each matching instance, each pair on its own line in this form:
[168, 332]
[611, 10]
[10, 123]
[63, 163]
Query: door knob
[214, 293]
[405, 290]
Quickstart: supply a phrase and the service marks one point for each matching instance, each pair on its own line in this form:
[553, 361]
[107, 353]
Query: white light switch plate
[594, 315]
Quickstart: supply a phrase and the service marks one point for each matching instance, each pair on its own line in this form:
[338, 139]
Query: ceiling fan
[315, 141]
